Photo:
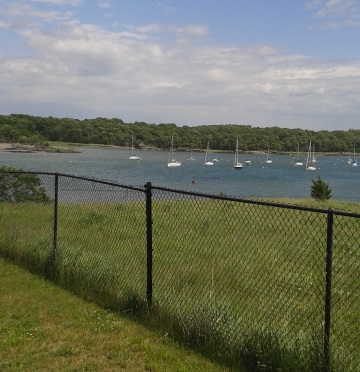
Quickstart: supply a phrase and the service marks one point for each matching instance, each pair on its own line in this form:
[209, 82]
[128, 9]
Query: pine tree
[320, 190]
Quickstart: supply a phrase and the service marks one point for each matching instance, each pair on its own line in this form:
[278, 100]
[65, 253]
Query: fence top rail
[259, 202]
[192, 193]
[91, 179]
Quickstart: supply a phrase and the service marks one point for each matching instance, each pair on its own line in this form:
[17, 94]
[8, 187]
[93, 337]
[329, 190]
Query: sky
[264, 63]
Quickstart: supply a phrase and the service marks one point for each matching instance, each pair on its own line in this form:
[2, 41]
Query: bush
[320, 190]
[17, 187]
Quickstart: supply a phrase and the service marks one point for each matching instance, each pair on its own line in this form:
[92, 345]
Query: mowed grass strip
[45, 328]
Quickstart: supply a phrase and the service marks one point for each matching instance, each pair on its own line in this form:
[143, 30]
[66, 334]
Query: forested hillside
[26, 129]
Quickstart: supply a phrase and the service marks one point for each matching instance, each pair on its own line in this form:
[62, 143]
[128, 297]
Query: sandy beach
[4, 146]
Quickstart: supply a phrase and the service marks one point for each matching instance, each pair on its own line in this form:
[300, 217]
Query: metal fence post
[149, 249]
[327, 319]
[54, 249]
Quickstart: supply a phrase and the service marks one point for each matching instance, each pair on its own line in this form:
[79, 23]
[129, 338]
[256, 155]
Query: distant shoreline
[10, 147]
[69, 148]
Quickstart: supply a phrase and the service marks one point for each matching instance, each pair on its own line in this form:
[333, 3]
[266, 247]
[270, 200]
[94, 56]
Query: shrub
[320, 190]
[17, 187]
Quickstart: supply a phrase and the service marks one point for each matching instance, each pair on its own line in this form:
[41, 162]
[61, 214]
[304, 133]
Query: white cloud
[336, 13]
[20, 16]
[104, 4]
[185, 33]
[85, 71]
[59, 2]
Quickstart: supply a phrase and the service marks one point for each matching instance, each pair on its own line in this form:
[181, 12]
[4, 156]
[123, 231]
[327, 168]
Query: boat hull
[174, 164]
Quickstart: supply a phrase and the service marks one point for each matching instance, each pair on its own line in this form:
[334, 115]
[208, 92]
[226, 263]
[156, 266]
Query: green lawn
[45, 328]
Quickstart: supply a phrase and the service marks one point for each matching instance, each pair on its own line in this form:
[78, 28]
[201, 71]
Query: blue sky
[286, 63]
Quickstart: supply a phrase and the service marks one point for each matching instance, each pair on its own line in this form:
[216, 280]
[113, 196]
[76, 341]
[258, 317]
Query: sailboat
[208, 162]
[133, 156]
[171, 161]
[191, 156]
[354, 162]
[313, 158]
[268, 161]
[309, 164]
[298, 163]
[237, 165]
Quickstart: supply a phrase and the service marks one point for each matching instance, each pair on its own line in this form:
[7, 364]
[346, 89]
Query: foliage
[320, 190]
[18, 187]
[28, 129]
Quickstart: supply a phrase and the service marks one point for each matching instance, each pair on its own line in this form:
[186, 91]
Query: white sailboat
[171, 161]
[309, 164]
[298, 163]
[354, 162]
[313, 158]
[191, 156]
[133, 156]
[208, 162]
[237, 165]
[268, 161]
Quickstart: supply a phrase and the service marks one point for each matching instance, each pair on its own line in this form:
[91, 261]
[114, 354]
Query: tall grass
[243, 283]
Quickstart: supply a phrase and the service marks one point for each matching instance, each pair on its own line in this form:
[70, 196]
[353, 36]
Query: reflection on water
[279, 179]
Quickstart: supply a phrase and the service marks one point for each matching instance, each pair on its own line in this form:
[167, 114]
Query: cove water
[258, 180]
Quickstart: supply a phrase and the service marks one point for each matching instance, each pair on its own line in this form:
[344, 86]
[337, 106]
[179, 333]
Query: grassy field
[45, 328]
[243, 283]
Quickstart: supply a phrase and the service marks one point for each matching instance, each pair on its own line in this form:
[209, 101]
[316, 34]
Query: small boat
[237, 165]
[191, 156]
[207, 162]
[133, 156]
[215, 160]
[313, 158]
[171, 161]
[354, 162]
[349, 161]
[297, 162]
[247, 162]
[309, 164]
[268, 161]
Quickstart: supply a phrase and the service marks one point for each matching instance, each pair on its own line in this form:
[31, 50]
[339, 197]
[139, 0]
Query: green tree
[320, 190]
[16, 186]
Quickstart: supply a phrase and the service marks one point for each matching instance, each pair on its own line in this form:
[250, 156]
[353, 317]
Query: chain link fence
[251, 283]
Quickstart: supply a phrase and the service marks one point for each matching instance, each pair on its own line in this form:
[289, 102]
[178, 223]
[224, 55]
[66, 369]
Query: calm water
[257, 180]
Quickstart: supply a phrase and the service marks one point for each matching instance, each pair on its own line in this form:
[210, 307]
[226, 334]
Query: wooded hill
[26, 129]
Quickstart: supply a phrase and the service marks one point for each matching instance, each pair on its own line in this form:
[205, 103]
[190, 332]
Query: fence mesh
[243, 280]
[345, 330]
[241, 272]
[26, 226]
[101, 241]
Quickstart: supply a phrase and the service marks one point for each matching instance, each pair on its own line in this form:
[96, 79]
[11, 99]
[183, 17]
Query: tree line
[27, 129]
